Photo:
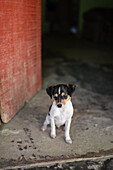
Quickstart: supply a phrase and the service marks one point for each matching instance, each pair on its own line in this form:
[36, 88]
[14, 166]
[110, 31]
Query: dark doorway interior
[66, 41]
[61, 16]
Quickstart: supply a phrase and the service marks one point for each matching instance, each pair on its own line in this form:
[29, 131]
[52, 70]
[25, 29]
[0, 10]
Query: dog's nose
[59, 105]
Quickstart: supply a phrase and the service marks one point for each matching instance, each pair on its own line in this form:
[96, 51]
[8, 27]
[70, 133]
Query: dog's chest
[62, 114]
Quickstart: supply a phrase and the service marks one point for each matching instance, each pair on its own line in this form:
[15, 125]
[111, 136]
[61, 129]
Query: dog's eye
[55, 97]
[64, 97]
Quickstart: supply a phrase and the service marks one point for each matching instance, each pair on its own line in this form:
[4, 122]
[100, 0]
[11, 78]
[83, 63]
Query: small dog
[61, 110]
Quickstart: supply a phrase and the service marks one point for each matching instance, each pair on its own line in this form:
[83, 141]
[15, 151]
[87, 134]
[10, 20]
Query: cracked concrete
[65, 60]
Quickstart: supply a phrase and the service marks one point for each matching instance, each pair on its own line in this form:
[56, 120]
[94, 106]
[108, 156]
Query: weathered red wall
[20, 54]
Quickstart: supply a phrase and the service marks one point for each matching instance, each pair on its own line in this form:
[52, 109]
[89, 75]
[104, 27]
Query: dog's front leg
[67, 129]
[53, 128]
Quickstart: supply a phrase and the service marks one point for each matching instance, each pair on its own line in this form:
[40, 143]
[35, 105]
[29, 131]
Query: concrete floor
[65, 60]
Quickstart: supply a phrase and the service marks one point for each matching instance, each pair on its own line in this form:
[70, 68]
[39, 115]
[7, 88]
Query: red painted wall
[20, 54]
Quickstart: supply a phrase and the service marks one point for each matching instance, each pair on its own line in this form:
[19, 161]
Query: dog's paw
[69, 141]
[53, 136]
[44, 127]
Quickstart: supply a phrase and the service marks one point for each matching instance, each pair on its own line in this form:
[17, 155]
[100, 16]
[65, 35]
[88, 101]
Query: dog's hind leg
[46, 122]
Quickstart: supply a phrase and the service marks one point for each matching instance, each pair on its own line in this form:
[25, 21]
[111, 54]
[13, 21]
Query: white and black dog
[61, 110]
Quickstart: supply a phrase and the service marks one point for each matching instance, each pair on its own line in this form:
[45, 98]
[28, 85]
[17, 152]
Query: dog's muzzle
[59, 105]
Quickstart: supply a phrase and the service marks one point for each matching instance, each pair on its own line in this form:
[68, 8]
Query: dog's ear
[71, 89]
[49, 91]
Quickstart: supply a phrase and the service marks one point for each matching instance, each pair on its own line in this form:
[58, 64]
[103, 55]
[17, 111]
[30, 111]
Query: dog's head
[61, 93]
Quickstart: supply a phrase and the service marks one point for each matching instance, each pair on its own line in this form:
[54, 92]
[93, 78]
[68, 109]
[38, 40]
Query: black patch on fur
[49, 91]
[71, 89]
[50, 107]
[67, 89]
